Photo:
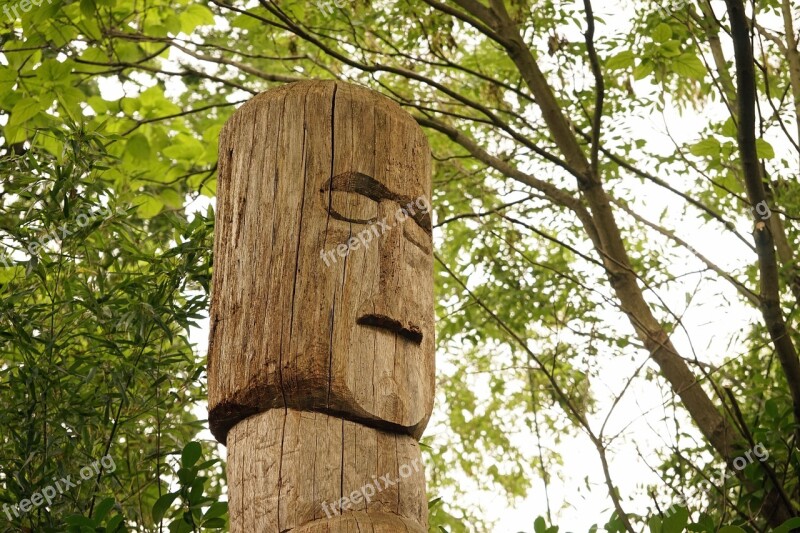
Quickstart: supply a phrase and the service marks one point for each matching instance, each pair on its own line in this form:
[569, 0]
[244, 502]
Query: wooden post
[321, 354]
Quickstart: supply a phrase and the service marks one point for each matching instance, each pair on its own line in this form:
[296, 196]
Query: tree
[97, 372]
[551, 260]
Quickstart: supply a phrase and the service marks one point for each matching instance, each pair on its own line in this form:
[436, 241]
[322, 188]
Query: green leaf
[181, 526]
[8, 273]
[643, 69]
[173, 25]
[705, 524]
[195, 15]
[764, 149]
[147, 206]
[624, 59]
[24, 110]
[662, 33]
[151, 96]
[787, 526]
[706, 148]
[214, 523]
[93, 55]
[88, 8]
[186, 148]
[729, 128]
[689, 65]
[45, 11]
[191, 454]
[99, 105]
[14, 134]
[654, 524]
[670, 48]
[676, 521]
[138, 147]
[186, 476]
[80, 521]
[730, 181]
[130, 105]
[162, 505]
[113, 525]
[8, 78]
[171, 198]
[216, 509]
[246, 22]
[102, 510]
[72, 98]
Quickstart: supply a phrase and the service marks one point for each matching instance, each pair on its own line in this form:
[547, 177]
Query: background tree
[571, 243]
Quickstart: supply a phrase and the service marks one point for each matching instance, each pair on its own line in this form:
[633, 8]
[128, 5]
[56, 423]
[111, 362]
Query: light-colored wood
[360, 522]
[321, 352]
[291, 469]
[303, 169]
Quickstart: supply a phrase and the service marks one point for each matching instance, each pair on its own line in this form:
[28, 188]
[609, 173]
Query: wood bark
[321, 352]
[757, 194]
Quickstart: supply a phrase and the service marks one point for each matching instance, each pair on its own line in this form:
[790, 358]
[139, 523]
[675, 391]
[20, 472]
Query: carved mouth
[412, 332]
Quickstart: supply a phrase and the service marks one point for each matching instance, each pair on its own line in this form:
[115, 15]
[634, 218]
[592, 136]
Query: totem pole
[321, 354]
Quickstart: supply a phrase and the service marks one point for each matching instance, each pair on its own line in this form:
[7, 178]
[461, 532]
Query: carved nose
[408, 330]
[398, 302]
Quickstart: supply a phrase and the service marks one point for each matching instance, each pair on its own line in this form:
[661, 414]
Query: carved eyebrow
[368, 186]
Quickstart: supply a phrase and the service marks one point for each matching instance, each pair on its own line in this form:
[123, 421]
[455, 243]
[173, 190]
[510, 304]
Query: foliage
[120, 104]
[95, 358]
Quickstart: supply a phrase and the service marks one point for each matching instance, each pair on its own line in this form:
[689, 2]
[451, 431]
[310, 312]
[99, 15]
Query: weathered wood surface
[304, 168]
[360, 522]
[291, 469]
[321, 353]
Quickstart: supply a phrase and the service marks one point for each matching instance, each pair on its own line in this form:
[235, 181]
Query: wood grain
[290, 468]
[303, 169]
[360, 522]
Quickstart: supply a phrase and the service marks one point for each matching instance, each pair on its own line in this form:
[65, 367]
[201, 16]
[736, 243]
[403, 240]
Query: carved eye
[348, 197]
[352, 207]
[353, 197]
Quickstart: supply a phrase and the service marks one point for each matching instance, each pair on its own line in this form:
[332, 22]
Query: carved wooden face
[377, 212]
[395, 306]
[384, 343]
[323, 283]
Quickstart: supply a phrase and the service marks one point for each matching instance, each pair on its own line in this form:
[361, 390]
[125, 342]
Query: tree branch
[765, 247]
[599, 86]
